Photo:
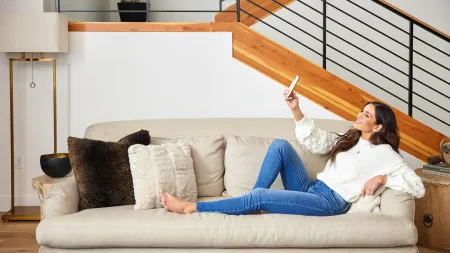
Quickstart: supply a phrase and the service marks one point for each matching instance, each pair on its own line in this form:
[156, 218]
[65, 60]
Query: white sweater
[351, 170]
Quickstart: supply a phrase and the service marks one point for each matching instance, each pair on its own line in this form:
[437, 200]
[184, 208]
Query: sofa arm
[61, 199]
[397, 203]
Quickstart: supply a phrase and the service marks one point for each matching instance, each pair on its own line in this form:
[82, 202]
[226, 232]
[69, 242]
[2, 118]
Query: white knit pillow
[156, 168]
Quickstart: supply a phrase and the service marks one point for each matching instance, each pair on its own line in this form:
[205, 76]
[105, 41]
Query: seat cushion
[123, 226]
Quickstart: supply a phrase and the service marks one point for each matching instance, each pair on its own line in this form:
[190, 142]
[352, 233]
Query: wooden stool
[432, 217]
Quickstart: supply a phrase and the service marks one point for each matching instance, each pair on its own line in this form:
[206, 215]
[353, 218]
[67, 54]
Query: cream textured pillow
[207, 153]
[156, 168]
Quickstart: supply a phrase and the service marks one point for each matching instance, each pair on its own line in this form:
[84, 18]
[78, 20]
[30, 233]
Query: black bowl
[56, 165]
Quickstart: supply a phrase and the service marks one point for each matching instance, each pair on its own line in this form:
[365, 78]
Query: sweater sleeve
[316, 140]
[403, 178]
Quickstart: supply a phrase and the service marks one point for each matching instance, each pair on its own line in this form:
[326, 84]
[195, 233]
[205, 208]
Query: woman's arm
[316, 140]
[402, 178]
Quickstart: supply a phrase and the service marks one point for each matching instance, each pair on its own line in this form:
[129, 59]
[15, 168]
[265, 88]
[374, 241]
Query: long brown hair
[388, 134]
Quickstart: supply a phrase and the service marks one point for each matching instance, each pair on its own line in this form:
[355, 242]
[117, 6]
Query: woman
[361, 160]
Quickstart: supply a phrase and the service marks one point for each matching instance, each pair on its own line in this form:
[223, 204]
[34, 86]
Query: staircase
[346, 58]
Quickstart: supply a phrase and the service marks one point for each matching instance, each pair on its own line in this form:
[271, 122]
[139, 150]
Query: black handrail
[412, 20]
[428, 44]
[364, 37]
[409, 60]
[373, 14]
[273, 14]
[278, 30]
[371, 27]
[295, 13]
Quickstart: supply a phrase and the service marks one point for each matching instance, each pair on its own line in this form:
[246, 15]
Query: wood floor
[20, 236]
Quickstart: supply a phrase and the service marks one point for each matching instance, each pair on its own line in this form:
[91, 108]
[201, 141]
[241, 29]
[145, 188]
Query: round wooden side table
[432, 216]
[42, 185]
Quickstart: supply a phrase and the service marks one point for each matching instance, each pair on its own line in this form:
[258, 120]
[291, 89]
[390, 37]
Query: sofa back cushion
[244, 156]
[208, 156]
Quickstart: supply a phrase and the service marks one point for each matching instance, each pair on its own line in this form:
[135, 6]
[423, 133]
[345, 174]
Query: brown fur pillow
[102, 170]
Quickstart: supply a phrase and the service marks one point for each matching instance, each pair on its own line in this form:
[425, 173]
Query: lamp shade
[34, 32]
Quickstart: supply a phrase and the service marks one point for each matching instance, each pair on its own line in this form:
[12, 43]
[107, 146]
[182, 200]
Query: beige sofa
[124, 229]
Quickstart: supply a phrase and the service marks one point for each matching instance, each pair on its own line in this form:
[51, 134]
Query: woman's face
[366, 120]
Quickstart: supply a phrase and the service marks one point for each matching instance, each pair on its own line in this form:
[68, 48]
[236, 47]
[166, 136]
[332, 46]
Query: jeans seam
[273, 172]
[296, 174]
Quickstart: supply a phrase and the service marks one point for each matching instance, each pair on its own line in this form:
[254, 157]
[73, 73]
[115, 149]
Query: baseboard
[29, 200]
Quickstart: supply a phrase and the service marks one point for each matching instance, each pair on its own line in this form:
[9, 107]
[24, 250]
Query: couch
[124, 229]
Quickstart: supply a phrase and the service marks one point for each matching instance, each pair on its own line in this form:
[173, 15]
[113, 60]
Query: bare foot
[174, 204]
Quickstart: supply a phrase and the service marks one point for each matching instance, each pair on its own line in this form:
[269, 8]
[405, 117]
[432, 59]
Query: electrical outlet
[18, 162]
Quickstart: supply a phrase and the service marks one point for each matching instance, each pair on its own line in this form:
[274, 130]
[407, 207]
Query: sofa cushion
[162, 168]
[122, 226]
[207, 153]
[244, 156]
[102, 169]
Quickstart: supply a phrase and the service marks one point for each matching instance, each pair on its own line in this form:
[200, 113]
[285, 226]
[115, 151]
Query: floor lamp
[38, 32]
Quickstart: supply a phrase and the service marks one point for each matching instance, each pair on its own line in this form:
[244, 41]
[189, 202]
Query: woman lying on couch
[361, 160]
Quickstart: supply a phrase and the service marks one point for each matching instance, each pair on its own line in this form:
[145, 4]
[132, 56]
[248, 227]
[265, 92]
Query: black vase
[56, 165]
[132, 16]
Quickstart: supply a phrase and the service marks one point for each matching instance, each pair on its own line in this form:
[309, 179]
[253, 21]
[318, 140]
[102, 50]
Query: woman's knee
[280, 143]
[255, 194]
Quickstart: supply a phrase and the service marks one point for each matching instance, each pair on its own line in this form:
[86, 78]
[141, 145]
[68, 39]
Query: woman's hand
[371, 186]
[292, 100]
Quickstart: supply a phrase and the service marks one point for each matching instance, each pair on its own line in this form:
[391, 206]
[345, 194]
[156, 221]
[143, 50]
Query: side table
[432, 217]
[42, 185]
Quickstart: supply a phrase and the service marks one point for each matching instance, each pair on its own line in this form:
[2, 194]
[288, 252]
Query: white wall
[174, 75]
[20, 5]
[402, 80]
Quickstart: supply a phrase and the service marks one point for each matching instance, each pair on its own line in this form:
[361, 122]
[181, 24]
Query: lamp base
[23, 213]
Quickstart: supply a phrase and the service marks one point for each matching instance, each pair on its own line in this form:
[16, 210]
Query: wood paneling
[384, 2]
[252, 9]
[281, 64]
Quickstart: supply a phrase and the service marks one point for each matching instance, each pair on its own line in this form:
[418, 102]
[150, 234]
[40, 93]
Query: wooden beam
[389, 5]
[138, 27]
[252, 9]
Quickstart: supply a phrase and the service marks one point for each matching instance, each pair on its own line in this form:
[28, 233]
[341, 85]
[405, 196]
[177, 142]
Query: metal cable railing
[409, 60]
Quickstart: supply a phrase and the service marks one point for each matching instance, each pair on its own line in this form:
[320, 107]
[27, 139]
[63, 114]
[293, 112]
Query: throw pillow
[102, 170]
[207, 153]
[162, 168]
[244, 156]
[368, 203]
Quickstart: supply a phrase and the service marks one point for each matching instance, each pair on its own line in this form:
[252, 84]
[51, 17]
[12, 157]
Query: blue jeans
[301, 195]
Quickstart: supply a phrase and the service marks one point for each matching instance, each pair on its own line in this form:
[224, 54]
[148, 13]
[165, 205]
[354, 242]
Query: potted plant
[132, 5]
